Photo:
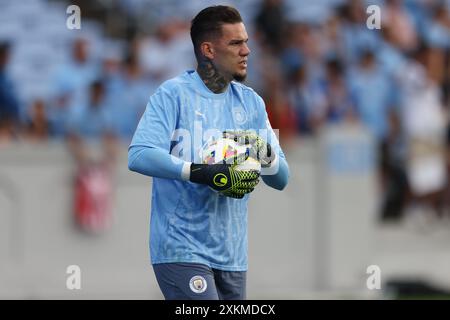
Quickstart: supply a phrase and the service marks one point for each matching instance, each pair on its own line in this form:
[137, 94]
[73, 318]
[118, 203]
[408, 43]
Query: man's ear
[207, 50]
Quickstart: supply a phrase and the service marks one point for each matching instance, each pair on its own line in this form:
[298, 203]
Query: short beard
[239, 78]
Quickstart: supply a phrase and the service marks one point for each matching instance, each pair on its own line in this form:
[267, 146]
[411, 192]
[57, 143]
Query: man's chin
[240, 77]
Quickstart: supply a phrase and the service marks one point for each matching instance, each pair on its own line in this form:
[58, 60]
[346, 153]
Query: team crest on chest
[239, 115]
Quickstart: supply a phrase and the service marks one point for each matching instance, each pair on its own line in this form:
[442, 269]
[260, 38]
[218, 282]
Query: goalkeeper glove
[260, 149]
[225, 179]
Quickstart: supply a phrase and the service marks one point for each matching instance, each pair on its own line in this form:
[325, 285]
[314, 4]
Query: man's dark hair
[208, 23]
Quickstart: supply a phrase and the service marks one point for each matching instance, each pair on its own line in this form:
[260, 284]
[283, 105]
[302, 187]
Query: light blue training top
[190, 222]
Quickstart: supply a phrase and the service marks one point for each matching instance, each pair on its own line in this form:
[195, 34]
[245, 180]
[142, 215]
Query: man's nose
[245, 50]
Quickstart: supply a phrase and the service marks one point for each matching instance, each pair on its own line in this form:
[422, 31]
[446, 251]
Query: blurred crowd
[322, 68]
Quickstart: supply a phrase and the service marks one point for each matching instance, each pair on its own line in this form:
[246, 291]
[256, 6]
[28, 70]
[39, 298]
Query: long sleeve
[149, 152]
[280, 179]
[155, 162]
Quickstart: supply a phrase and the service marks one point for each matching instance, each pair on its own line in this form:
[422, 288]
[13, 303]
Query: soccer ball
[228, 151]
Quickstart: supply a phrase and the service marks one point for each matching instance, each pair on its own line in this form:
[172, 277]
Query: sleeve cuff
[186, 171]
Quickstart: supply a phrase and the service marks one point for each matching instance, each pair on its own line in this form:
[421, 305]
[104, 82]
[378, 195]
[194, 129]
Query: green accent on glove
[220, 180]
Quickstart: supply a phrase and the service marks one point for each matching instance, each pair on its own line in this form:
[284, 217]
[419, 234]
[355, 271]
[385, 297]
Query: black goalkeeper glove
[225, 179]
[260, 149]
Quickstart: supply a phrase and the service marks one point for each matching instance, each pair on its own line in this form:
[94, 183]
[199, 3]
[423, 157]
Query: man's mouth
[243, 63]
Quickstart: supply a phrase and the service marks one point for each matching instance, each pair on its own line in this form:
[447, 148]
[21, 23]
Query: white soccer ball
[225, 150]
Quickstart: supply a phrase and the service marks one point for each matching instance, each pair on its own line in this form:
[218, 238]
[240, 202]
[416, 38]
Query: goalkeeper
[198, 236]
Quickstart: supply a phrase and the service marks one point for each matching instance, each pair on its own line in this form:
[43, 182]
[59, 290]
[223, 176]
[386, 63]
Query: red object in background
[283, 118]
[93, 198]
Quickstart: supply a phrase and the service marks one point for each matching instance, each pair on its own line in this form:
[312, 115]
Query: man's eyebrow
[237, 41]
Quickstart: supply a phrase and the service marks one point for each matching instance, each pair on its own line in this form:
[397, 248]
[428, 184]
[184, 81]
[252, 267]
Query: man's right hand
[225, 179]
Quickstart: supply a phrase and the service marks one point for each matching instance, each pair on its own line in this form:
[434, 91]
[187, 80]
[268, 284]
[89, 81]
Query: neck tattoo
[215, 82]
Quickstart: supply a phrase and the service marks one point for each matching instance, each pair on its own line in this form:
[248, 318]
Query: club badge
[198, 284]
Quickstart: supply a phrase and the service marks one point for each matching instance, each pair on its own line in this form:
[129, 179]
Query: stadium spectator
[168, 52]
[37, 127]
[425, 124]
[438, 29]
[128, 98]
[94, 147]
[270, 24]
[9, 102]
[91, 127]
[281, 115]
[388, 55]
[307, 99]
[339, 104]
[396, 17]
[70, 86]
[355, 34]
[373, 94]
